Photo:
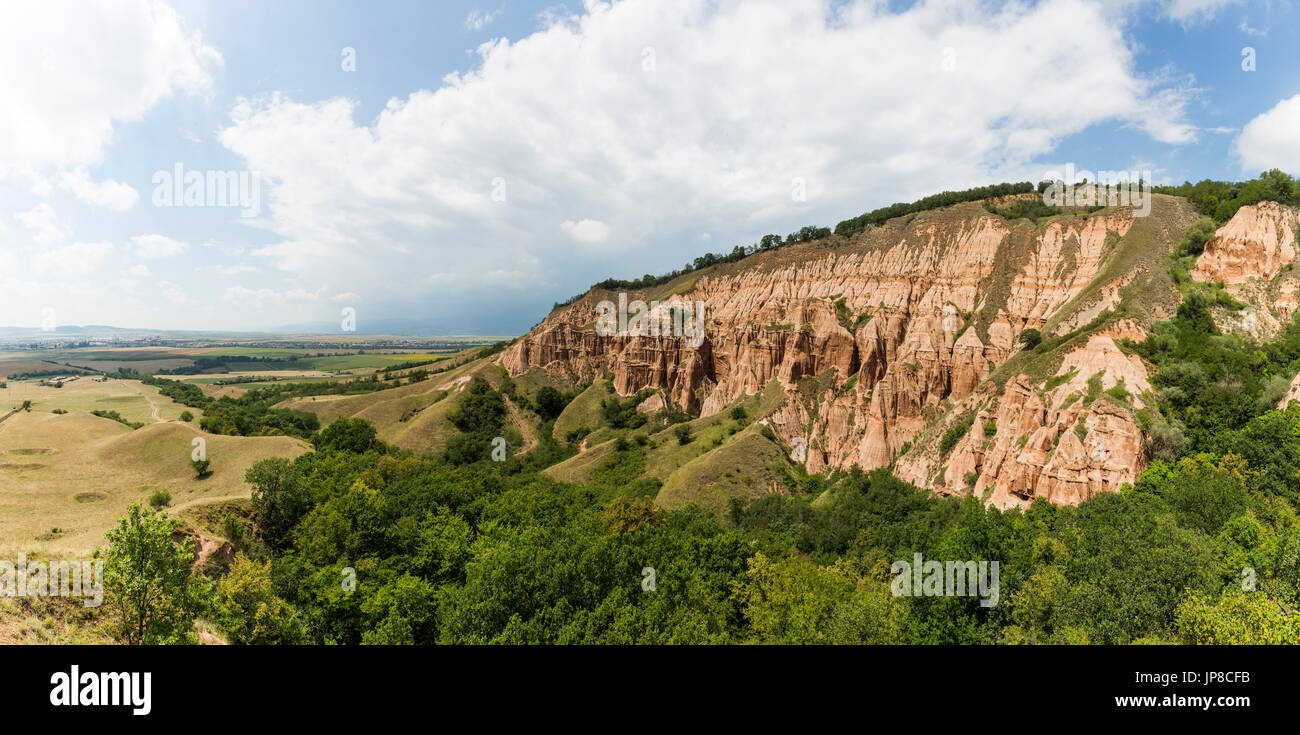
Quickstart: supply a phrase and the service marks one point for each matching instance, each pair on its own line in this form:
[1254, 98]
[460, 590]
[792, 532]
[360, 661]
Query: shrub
[952, 436]
[683, 434]
[153, 592]
[159, 499]
[201, 468]
[1031, 338]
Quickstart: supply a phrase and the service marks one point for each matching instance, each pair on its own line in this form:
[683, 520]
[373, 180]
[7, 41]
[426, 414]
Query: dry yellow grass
[411, 417]
[77, 473]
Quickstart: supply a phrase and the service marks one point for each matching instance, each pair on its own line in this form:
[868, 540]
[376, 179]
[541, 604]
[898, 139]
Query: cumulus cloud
[107, 193]
[43, 222]
[176, 293]
[1271, 141]
[157, 246]
[661, 119]
[587, 230]
[70, 69]
[71, 261]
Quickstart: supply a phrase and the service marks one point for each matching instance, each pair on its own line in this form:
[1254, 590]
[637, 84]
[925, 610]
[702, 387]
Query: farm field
[212, 361]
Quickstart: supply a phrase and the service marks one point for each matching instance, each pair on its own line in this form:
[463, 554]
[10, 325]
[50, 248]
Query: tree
[550, 402]
[280, 497]
[348, 435]
[187, 416]
[683, 434]
[1237, 618]
[247, 609]
[201, 468]
[150, 582]
[788, 600]
[1031, 338]
[1196, 236]
[631, 515]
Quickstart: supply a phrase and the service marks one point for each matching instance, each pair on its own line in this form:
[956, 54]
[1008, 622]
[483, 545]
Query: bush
[247, 609]
[683, 434]
[201, 468]
[1196, 236]
[187, 416]
[952, 436]
[738, 413]
[152, 590]
[550, 402]
[1031, 338]
[159, 499]
[352, 435]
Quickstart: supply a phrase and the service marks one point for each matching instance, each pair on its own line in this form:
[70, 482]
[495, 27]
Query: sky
[456, 167]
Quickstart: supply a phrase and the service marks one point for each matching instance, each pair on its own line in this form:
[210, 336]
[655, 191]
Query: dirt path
[173, 510]
[525, 426]
[153, 407]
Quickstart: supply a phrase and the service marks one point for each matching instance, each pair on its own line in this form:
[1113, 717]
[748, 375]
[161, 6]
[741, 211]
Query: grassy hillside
[65, 479]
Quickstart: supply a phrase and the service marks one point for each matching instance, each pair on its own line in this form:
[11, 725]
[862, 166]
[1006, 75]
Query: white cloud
[70, 69]
[107, 193]
[74, 260]
[234, 270]
[1194, 11]
[176, 293]
[1271, 139]
[661, 119]
[261, 297]
[157, 246]
[588, 230]
[44, 221]
[477, 20]
[139, 271]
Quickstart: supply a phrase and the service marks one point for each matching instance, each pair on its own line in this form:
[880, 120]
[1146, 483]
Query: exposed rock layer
[876, 338]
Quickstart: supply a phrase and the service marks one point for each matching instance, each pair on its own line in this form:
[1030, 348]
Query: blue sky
[484, 160]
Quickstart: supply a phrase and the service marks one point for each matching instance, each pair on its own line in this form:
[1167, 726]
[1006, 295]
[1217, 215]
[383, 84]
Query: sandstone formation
[876, 338]
[1063, 444]
[1254, 245]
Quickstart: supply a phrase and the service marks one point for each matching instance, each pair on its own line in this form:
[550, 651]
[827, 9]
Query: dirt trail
[173, 510]
[153, 407]
[525, 426]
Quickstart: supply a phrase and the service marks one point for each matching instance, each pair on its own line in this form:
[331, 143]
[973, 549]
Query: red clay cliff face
[1254, 245]
[1252, 255]
[1064, 445]
[915, 315]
